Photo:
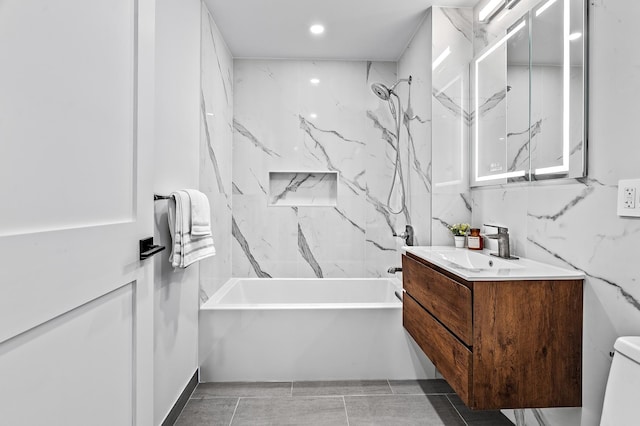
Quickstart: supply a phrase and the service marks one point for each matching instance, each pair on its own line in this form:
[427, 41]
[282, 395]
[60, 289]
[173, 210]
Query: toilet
[623, 386]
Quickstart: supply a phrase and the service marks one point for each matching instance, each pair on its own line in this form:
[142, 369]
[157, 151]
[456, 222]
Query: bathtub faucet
[407, 235]
[393, 270]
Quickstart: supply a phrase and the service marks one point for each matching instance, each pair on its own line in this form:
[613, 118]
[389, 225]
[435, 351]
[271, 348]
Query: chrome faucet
[407, 235]
[503, 242]
[393, 270]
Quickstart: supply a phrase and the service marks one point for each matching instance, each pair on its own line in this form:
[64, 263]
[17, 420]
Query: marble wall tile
[450, 201]
[498, 206]
[449, 208]
[381, 247]
[265, 238]
[613, 88]
[284, 122]
[216, 108]
[415, 134]
[335, 234]
[560, 226]
[450, 135]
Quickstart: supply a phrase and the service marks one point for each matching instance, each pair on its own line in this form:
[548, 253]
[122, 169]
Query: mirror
[528, 91]
[517, 101]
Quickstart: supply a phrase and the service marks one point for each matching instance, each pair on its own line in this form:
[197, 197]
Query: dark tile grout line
[457, 411]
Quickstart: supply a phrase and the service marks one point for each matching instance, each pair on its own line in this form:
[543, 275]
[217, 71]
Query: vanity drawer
[447, 300]
[450, 357]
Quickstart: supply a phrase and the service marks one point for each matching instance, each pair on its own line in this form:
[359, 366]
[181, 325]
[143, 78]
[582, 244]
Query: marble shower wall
[573, 223]
[437, 143]
[216, 129]
[416, 142]
[452, 50]
[285, 123]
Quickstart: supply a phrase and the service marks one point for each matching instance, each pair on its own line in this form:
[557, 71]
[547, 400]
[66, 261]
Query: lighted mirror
[528, 94]
[493, 151]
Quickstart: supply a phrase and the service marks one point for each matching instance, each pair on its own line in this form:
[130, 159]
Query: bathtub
[273, 329]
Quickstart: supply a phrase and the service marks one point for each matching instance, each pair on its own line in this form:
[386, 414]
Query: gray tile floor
[350, 403]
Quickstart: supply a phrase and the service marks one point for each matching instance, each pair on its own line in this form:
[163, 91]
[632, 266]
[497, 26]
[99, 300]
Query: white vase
[459, 240]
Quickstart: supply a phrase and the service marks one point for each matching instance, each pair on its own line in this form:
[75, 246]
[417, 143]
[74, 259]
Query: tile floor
[350, 403]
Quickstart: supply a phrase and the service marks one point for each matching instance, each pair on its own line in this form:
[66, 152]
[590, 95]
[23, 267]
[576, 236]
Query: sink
[474, 260]
[472, 265]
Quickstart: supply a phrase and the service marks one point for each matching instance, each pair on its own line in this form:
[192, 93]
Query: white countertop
[478, 265]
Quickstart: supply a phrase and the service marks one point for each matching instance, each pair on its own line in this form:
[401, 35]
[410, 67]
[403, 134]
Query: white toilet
[621, 398]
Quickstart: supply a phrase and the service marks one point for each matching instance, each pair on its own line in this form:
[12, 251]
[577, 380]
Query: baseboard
[177, 408]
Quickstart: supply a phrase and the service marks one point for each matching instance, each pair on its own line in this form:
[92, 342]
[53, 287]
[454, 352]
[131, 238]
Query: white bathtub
[266, 329]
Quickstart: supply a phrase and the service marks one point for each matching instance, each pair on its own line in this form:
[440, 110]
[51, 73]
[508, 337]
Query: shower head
[381, 91]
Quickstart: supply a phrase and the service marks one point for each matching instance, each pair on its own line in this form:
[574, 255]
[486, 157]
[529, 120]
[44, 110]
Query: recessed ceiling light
[313, 115]
[316, 29]
[314, 81]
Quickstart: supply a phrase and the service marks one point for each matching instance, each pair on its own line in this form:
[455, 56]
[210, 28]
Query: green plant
[459, 229]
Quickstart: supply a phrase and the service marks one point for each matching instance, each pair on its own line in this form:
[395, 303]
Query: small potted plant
[459, 231]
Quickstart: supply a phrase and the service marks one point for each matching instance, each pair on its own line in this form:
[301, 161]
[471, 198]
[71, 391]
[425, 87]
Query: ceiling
[355, 29]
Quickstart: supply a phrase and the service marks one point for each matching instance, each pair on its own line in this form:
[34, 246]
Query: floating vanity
[503, 333]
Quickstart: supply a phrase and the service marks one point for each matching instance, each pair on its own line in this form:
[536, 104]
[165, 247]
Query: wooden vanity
[499, 344]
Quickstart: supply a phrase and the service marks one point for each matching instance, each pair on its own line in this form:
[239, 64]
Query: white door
[76, 112]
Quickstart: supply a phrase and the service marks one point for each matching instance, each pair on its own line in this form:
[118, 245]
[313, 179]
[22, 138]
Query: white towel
[200, 220]
[186, 248]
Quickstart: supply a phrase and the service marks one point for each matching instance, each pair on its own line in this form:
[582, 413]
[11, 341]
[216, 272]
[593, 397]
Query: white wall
[176, 167]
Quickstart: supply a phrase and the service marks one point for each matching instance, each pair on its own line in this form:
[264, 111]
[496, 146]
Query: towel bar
[157, 197]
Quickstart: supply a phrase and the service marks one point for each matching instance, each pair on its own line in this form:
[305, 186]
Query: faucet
[503, 242]
[407, 235]
[393, 270]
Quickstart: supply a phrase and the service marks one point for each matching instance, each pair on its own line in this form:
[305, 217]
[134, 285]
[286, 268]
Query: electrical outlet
[628, 197]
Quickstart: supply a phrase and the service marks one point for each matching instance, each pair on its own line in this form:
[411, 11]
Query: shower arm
[408, 80]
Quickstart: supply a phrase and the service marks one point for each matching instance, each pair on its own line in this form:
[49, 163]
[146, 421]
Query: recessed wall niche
[303, 188]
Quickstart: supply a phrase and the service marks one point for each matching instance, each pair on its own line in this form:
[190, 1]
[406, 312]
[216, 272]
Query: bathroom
[208, 117]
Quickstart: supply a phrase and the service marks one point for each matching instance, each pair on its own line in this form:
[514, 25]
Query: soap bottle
[475, 240]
